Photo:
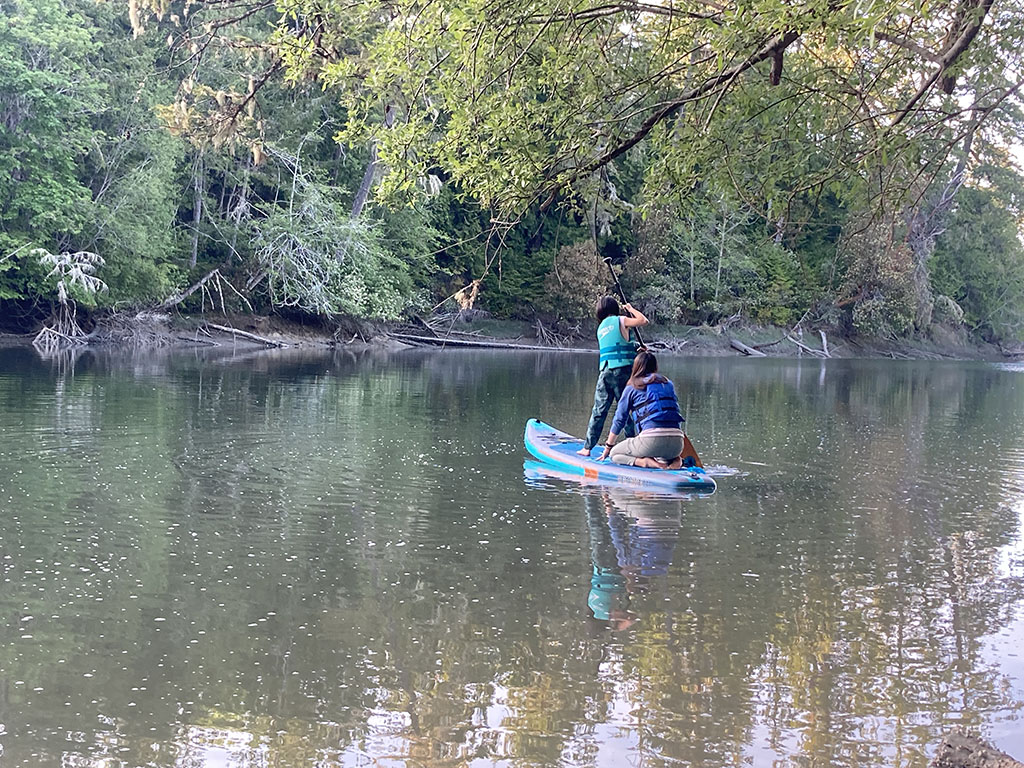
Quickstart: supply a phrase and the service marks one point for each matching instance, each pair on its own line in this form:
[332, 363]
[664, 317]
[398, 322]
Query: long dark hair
[607, 306]
[644, 364]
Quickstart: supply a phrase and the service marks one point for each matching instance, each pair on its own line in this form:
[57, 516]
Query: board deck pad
[558, 449]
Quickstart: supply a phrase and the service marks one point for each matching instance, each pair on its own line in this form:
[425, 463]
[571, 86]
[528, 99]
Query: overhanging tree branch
[948, 58]
[910, 45]
[724, 78]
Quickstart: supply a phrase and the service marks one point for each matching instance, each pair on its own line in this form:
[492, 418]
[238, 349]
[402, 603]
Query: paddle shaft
[622, 295]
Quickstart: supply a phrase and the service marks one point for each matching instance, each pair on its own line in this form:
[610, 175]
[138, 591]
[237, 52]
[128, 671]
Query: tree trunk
[339, 155]
[240, 208]
[721, 255]
[927, 223]
[363, 193]
[197, 208]
[365, 185]
[692, 300]
[223, 194]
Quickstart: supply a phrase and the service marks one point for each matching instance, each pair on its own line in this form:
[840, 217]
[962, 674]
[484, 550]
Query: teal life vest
[616, 352]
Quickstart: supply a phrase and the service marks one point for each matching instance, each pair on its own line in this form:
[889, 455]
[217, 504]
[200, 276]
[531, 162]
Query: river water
[339, 560]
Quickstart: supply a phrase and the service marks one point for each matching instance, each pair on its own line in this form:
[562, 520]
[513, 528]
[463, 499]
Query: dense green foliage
[758, 161]
[976, 261]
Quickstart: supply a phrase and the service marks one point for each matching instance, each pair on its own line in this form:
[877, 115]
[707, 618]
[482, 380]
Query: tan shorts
[666, 444]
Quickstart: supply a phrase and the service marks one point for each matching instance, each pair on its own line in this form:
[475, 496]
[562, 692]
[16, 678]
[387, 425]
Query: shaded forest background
[143, 147]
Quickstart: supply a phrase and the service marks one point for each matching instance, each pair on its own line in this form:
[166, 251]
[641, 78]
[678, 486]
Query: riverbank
[477, 329]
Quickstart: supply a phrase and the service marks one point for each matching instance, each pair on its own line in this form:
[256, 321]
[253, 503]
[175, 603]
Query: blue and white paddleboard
[558, 449]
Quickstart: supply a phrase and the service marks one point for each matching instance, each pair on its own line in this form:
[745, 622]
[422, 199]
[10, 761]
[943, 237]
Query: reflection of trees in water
[834, 611]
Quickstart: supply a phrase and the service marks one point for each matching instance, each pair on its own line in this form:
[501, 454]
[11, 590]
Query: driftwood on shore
[669, 345]
[437, 341]
[50, 340]
[741, 347]
[809, 350]
[756, 351]
[247, 335]
[196, 340]
[962, 750]
[1011, 350]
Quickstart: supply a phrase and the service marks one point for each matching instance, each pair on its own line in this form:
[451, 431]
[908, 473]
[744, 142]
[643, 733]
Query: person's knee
[621, 453]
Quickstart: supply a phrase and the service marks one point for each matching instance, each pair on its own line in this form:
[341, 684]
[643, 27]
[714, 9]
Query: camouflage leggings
[609, 388]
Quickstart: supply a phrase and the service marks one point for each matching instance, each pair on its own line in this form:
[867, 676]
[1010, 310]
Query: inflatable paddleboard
[558, 449]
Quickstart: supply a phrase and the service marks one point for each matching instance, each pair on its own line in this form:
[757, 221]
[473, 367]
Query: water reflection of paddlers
[645, 530]
[608, 598]
[631, 541]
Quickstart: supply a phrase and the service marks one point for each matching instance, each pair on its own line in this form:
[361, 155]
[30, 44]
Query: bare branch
[910, 45]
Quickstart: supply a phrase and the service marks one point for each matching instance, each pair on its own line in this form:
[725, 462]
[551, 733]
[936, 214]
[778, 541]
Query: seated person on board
[651, 400]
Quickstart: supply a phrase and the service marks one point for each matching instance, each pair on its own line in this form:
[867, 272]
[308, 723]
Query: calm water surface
[285, 560]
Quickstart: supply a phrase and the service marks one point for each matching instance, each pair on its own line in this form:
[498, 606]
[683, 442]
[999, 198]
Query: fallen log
[435, 341]
[1010, 351]
[672, 345]
[770, 343]
[741, 347]
[219, 281]
[808, 350]
[964, 750]
[180, 297]
[197, 340]
[247, 335]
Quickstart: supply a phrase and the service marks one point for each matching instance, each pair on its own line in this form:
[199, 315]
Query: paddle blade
[689, 452]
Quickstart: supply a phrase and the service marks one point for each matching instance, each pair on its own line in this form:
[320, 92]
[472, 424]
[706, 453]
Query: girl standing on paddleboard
[617, 353]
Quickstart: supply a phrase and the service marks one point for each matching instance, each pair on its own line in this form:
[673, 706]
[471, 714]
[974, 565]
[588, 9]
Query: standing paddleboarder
[614, 338]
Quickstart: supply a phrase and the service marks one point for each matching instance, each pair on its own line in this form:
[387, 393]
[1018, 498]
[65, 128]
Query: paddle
[622, 295]
[689, 452]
